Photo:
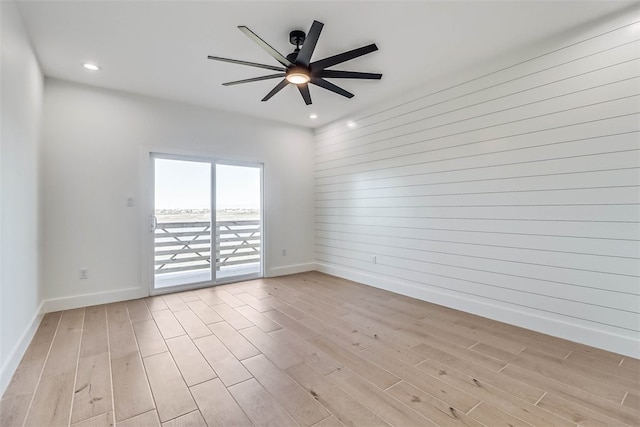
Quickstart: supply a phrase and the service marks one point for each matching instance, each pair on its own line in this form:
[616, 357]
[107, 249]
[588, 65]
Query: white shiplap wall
[513, 194]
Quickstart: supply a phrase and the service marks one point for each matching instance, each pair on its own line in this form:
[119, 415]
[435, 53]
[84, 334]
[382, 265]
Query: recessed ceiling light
[313, 116]
[351, 124]
[91, 67]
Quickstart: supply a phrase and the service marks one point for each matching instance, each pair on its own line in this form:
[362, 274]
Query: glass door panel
[238, 222]
[182, 235]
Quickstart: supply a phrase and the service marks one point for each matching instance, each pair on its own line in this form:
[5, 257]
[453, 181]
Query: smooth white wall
[511, 192]
[94, 142]
[20, 112]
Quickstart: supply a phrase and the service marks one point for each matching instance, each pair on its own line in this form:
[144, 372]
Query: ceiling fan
[297, 68]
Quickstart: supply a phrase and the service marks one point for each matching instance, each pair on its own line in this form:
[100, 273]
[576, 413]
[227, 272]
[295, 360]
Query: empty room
[319, 213]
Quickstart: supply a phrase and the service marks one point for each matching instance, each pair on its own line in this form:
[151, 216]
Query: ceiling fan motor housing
[296, 38]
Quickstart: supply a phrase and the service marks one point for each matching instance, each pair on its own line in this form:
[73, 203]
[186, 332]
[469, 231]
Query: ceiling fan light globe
[298, 78]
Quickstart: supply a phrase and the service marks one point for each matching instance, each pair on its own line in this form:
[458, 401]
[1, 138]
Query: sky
[183, 184]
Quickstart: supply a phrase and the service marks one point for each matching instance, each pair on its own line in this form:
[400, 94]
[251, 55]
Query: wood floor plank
[374, 373]
[149, 339]
[631, 363]
[432, 408]
[231, 316]
[102, 420]
[604, 366]
[497, 394]
[474, 375]
[138, 310]
[92, 394]
[329, 422]
[217, 406]
[455, 397]
[156, 303]
[257, 304]
[261, 408]
[432, 333]
[168, 324]
[63, 356]
[209, 296]
[632, 400]
[594, 383]
[188, 296]
[94, 331]
[290, 323]
[148, 419]
[260, 320]
[344, 407]
[122, 340]
[380, 332]
[490, 416]
[293, 398]
[117, 313]
[169, 390]
[39, 346]
[382, 404]
[285, 308]
[192, 419]
[574, 413]
[204, 312]
[277, 351]
[458, 354]
[131, 393]
[174, 302]
[227, 298]
[348, 339]
[51, 404]
[13, 409]
[613, 410]
[192, 365]
[224, 363]
[192, 324]
[233, 340]
[25, 378]
[310, 354]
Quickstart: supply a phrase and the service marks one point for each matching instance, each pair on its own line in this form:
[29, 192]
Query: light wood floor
[309, 350]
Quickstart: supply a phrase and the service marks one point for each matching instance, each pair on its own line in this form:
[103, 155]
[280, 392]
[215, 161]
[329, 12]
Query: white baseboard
[290, 269]
[11, 364]
[570, 331]
[86, 300]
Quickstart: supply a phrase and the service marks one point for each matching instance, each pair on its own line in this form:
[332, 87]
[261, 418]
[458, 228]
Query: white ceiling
[160, 48]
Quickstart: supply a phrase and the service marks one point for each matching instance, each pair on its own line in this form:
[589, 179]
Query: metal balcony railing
[186, 246]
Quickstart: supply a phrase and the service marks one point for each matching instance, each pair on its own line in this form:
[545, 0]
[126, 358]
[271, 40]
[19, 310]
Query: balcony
[183, 251]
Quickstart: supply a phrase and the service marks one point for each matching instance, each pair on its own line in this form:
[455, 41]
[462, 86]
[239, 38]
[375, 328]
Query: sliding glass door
[238, 223]
[206, 222]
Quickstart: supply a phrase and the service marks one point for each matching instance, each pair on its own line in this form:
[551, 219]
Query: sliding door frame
[148, 213]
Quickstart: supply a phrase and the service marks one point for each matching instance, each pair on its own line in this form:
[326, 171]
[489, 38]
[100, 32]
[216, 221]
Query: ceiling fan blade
[337, 74]
[330, 86]
[309, 45]
[304, 91]
[343, 57]
[254, 79]
[276, 89]
[251, 64]
[264, 45]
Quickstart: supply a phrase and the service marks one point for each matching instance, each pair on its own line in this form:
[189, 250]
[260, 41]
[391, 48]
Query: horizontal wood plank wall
[514, 195]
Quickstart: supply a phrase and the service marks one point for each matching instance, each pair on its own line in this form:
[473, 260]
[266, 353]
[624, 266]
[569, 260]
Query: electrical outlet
[284, 252]
[130, 202]
[84, 273]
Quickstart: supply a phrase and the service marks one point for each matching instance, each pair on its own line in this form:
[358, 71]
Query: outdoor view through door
[190, 196]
